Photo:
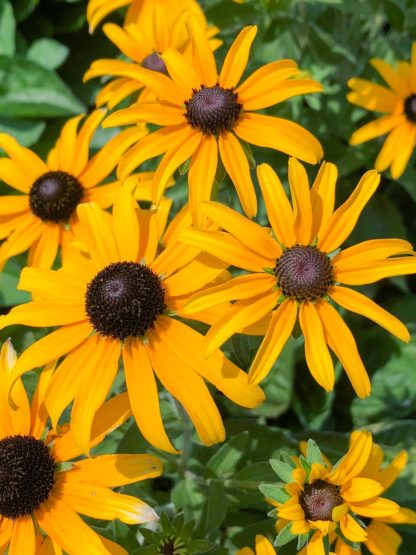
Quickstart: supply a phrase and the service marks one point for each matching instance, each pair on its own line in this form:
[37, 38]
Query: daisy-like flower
[119, 299]
[382, 539]
[398, 103]
[42, 492]
[205, 115]
[159, 25]
[263, 547]
[317, 499]
[38, 218]
[299, 270]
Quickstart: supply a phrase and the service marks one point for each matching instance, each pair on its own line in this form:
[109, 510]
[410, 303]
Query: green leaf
[313, 453]
[214, 510]
[276, 493]
[285, 536]
[306, 466]
[27, 132]
[283, 470]
[200, 546]
[48, 53]
[9, 294]
[7, 28]
[302, 541]
[29, 90]
[224, 461]
[241, 349]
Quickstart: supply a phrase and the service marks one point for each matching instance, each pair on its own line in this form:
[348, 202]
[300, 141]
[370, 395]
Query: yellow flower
[42, 492]
[318, 499]
[298, 271]
[263, 547]
[119, 299]
[398, 102]
[37, 219]
[157, 27]
[205, 115]
[382, 539]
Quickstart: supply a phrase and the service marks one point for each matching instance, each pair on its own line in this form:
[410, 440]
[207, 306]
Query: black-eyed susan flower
[205, 115]
[381, 539]
[157, 27]
[118, 300]
[317, 499]
[300, 272]
[42, 493]
[398, 103]
[263, 545]
[38, 217]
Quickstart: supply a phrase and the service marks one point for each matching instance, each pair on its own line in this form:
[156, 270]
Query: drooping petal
[359, 303]
[373, 250]
[404, 149]
[181, 71]
[376, 128]
[99, 236]
[352, 530]
[42, 253]
[355, 460]
[278, 332]
[382, 539]
[279, 134]
[143, 394]
[27, 161]
[318, 359]
[46, 313]
[236, 165]
[372, 96]
[23, 537]
[341, 341]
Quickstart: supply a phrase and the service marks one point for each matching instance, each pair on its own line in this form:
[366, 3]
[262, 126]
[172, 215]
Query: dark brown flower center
[27, 475]
[124, 299]
[155, 63]
[54, 196]
[410, 108]
[304, 273]
[213, 110]
[318, 499]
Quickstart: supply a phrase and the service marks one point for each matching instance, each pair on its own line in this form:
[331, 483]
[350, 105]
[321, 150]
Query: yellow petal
[100, 502]
[382, 539]
[181, 71]
[201, 176]
[372, 250]
[202, 56]
[241, 314]
[236, 165]
[43, 252]
[263, 546]
[278, 207]
[342, 222]
[278, 332]
[323, 196]
[360, 304]
[23, 537]
[249, 233]
[237, 57]
[361, 489]
[374, 271]
[318, 359]
[279, 134]
[143, 394]
[46, 313]
[27, 161]
[391, 77]
[126, 225]
[98, 233]
[404, 149]
[352, 530]
[389, 475]
[355, 460]
[301, 200]
[375, 508]
[376, 128]
[372, 96]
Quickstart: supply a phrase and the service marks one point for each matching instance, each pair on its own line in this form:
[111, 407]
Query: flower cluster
[142, 299]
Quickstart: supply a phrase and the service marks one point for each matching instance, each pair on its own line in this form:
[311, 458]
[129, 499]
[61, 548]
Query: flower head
[38, 218]
[206, 115]
[318, 500]
[381, 537]
[42, 492]
[299, 272]
[117, 296]
[398, 103]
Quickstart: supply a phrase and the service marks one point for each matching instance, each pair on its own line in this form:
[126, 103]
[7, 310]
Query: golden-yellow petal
[237, 57]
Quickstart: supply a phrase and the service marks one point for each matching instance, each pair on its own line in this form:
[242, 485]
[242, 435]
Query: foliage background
[45, 48]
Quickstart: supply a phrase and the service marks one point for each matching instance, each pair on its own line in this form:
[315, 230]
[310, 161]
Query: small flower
[398, 102]
[299, 272]
[37, 219]
[318, 499]
[42, 492]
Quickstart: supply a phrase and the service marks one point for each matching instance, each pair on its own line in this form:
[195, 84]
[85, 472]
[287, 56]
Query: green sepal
[183, 168]
[269, 271]
[313, 453]
[285, 536]
[283, 470]
[274, 513]
[307, 467]
[274, 492]
[286, 458]
[327, 545]
[303, 540]
[63, 466]
[333, 253]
